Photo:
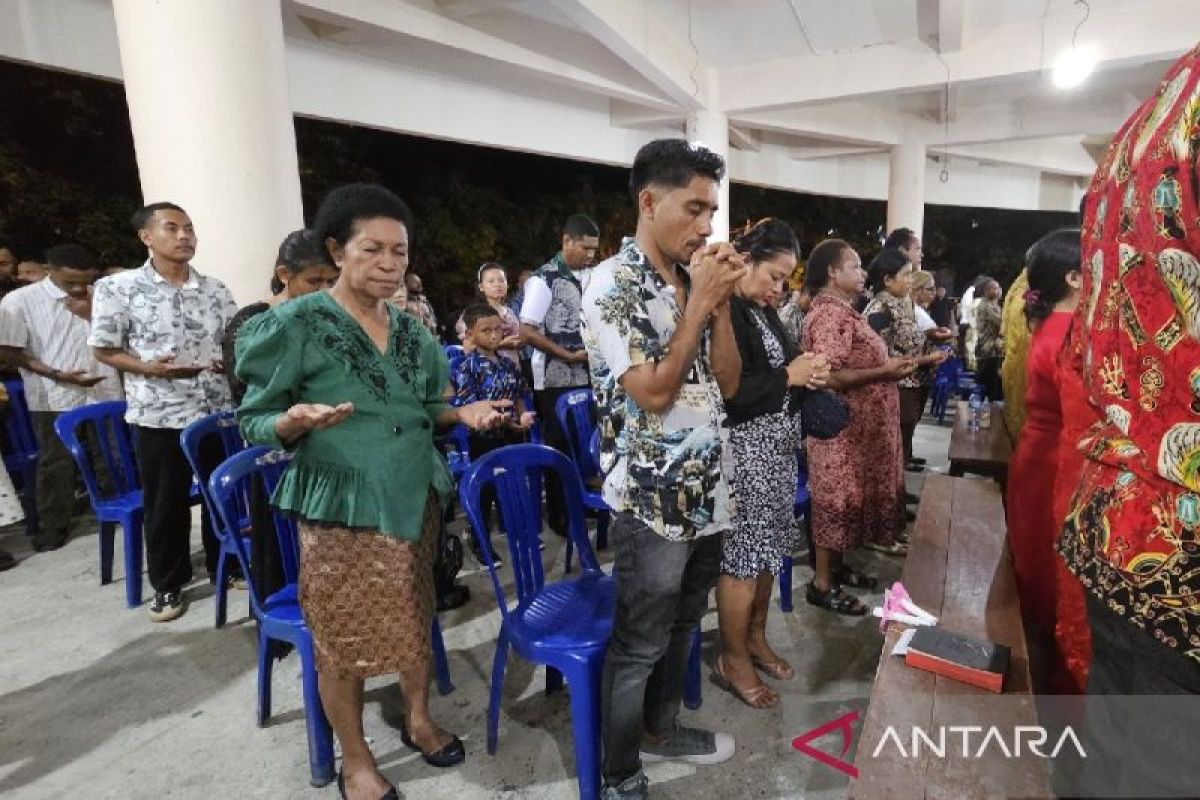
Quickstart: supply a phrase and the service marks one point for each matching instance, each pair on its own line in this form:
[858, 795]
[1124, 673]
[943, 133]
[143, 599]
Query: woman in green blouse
[355, 388]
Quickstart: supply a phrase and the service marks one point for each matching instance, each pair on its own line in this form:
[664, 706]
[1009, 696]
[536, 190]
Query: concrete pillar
[206, 84]
[906, 187]
[711, 129]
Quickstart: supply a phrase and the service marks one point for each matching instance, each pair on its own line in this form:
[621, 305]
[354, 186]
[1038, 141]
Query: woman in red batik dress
[857, 477]
[1038, 472]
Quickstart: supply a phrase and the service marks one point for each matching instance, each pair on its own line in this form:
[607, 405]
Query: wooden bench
[959, 569]
[982, 452]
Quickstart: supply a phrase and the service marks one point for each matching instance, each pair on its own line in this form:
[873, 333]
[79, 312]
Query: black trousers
[989, 378]
[1142, 715]
[166, 495]
[556, 437]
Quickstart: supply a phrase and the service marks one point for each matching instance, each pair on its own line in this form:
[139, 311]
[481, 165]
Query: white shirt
[35, 318]
[140, 312]
[966, 309]
[924, 321]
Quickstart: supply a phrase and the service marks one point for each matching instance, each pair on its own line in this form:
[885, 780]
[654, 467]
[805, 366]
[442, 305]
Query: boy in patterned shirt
[484, 374]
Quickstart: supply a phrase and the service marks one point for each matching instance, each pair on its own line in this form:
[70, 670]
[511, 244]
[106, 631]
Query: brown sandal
[779, 670]
[760, 697]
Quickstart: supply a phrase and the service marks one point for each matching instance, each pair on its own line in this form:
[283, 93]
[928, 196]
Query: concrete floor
[97, 702]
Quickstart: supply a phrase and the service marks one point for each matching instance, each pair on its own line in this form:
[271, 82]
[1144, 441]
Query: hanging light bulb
[1074, 66]
[1076, 63]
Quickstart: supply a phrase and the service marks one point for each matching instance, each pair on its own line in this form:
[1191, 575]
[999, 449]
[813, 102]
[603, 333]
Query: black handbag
[823, 414]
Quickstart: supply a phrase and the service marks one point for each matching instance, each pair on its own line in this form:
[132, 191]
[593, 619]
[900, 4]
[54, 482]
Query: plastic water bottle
[973, 423]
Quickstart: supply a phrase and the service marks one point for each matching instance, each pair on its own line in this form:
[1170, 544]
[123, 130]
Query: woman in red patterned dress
[857, 477]
[1034, 518]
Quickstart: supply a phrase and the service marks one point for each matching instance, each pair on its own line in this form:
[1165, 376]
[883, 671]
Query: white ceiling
[813, 73]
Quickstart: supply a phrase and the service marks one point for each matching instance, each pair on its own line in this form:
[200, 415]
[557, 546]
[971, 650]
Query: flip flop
[779, 670]
[760, 697]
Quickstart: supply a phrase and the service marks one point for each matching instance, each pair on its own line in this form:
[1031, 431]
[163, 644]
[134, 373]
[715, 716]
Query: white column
[906, 187]
[711, 129]
[206, 84]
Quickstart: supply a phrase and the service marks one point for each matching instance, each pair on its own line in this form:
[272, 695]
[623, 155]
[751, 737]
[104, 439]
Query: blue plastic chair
[21, 451]
[802, 508]
[223, 426]
[576, 411]
[563, 625]
[279, 616]
[110, 438]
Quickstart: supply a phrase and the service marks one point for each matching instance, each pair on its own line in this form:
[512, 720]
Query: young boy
[484, 374]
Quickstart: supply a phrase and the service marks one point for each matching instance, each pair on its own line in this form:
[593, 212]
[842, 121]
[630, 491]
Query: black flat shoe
[913, 467]
[390, 794]
[920, 462]
[451, 755]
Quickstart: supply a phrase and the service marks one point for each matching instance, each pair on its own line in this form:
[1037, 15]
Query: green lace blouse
[374, 470]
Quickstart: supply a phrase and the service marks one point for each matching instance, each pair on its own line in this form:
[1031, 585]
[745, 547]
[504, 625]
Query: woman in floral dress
[856, 478]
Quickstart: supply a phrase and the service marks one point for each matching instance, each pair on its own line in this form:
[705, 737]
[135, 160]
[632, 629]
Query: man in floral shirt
[662, 354]
[162, 327]
[1133, 533]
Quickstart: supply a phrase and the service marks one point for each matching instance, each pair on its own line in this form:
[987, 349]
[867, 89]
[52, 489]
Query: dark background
[68, 173]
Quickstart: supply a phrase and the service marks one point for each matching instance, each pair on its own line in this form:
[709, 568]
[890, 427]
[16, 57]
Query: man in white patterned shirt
[162, 326]
[44, 331]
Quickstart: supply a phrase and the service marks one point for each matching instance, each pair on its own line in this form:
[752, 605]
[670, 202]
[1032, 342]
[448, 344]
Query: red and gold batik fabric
[1131, 535]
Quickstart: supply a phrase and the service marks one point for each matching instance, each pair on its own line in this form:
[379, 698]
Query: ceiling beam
[745, 139]
[1009, 52]
[463, 9]
[814, 153]
[418, 23]
[941, 24]
[1060, 155]
[847, 123]
[635, 35]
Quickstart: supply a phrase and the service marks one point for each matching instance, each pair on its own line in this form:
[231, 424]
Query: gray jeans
[662, 592]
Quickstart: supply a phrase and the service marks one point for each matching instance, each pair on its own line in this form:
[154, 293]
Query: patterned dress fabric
[1015, 329]
[140, 312]
[373, 470]
[763, 483]
[988, 317]
[664, 468]
[896, 322]
[1133, 533]
[420, 307]
[368, 598]
[856, 478]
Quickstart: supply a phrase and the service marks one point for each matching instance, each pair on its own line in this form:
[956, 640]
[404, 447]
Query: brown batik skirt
[367, 597]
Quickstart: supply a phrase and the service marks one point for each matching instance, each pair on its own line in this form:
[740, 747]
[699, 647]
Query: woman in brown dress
[355, 388]
[856, 478]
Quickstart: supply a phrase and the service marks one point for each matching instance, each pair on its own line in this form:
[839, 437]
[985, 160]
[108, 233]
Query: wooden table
[958, 568]
[982, 452]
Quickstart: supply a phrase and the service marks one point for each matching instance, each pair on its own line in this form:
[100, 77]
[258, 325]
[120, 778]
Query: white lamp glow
[1074, 66]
